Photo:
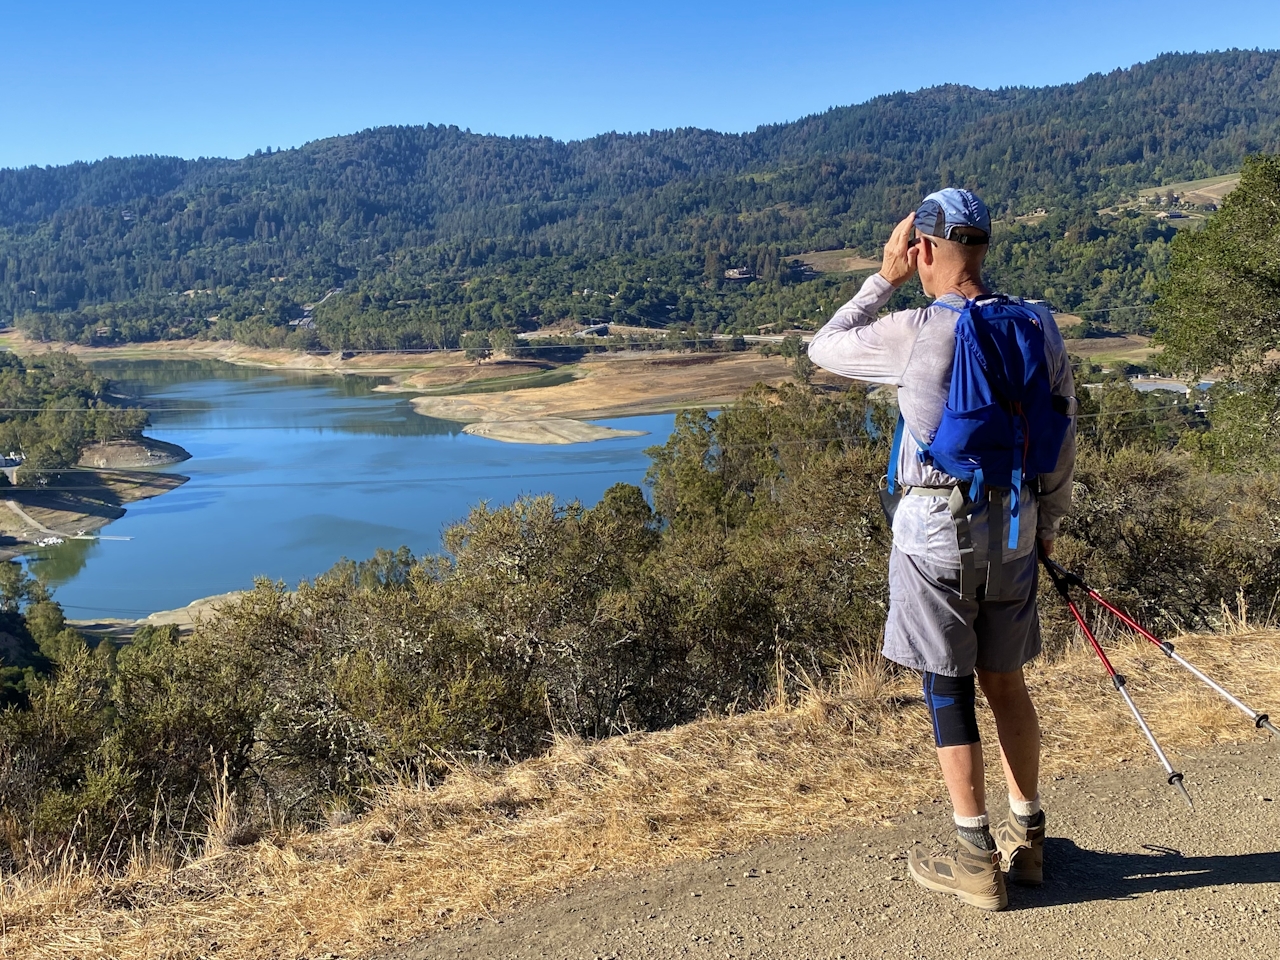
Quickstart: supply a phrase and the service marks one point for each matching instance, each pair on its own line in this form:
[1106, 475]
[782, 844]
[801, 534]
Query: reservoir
[291, 471]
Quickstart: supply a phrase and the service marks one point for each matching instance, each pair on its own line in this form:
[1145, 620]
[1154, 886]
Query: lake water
[291, 471]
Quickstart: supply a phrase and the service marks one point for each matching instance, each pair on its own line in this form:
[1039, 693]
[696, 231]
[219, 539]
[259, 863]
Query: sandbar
[550, 430]
[614, 386]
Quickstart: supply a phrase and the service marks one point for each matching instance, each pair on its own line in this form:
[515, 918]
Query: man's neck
[966, 287]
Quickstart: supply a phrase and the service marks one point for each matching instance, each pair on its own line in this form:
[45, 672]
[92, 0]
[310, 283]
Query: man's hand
[1046, 548]
[899, 258]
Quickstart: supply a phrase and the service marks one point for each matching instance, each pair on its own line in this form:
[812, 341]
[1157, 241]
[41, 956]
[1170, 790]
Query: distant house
[9, 467]
[739, 274]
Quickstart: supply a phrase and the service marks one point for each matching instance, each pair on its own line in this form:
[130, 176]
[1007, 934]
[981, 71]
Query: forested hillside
[52, 405]
[434, 231]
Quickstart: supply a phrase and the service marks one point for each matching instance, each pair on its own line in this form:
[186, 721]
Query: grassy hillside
[856, 753]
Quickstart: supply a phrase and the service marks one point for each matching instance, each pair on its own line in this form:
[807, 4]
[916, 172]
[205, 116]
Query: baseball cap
[943, 211]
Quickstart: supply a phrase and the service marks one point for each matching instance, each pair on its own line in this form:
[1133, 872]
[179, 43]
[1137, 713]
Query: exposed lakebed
[291, 471]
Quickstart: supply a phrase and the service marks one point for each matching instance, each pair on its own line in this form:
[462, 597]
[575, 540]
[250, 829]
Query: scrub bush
[764, 553]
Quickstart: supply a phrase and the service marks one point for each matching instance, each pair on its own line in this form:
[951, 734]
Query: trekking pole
[1260, 720]
[1063, 584]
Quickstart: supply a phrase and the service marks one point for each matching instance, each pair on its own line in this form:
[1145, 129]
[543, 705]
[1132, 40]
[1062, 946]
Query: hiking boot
[973, 875]
[1022, 850]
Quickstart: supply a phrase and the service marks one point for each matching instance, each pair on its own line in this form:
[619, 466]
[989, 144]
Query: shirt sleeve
[1055, 488]
[854, 344]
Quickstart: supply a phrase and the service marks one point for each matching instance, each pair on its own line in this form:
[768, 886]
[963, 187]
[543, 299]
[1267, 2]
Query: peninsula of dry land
[78, 503]
[609, 385]
[512, 399]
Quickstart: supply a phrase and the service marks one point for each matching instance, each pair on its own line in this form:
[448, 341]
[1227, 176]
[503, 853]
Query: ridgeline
[435, 237]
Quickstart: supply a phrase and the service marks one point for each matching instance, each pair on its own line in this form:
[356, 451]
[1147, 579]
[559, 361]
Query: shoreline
[611, 387]
[136, 454]
[184, 618]
[85, 501]
[511, 400]
[229, 351]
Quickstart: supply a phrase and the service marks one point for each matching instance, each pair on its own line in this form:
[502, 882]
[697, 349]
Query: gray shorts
[930, 628]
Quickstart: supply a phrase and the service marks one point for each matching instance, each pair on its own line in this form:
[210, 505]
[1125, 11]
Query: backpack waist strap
[962, 508]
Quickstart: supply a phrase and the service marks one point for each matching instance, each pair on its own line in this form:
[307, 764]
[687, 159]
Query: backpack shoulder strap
[895, 451]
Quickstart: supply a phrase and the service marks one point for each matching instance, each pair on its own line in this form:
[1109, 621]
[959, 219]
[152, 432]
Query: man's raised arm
[854, 343]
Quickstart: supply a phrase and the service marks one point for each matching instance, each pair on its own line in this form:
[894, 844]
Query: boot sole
[981, 901]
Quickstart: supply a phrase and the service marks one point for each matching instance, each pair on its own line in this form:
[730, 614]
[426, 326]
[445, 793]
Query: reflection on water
[215, 395]
[292, 470]
[150, 376]
[59, 564]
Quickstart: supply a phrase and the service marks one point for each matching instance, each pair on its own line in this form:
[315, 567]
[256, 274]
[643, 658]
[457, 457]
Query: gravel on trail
[1130, 873]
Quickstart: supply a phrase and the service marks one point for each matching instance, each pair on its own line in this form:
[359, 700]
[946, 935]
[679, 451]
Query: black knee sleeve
[950, 703]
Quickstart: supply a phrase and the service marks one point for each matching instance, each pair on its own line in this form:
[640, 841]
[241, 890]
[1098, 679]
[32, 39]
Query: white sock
[973, 823]
[1024, 808]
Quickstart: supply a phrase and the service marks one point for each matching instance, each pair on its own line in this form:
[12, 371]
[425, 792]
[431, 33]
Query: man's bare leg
[1021, 837]
[972, 874]
[962, 771]
[1018, 728]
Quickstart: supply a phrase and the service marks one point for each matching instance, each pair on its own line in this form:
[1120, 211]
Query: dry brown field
[837, 261]
[1133, 347]
[611, 385]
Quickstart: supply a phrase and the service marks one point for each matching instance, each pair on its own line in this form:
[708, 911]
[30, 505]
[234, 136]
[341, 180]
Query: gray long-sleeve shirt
[913, 351]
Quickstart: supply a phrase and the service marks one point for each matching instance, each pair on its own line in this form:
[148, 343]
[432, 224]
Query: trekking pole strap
[1059, 572]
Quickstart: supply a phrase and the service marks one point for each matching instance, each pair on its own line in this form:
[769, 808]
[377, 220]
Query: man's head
[953, 229]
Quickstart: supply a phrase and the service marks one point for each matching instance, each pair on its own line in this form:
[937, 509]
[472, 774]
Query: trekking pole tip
[1175, 781]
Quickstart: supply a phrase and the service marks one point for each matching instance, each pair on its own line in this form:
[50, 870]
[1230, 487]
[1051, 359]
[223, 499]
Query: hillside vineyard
[424, 236]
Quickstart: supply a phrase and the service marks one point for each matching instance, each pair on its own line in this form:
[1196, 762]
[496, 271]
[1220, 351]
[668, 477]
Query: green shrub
[765, 548]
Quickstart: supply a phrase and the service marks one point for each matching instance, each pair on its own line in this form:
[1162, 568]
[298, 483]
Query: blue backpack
[1002, 425]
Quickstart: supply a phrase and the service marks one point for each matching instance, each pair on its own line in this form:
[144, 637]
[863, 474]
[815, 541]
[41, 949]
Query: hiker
[963, 567]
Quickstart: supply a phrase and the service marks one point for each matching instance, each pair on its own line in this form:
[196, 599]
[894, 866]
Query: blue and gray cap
[942, 212]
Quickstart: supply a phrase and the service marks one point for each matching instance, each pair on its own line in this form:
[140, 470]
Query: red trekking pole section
[1260, 720]
[1062, 583]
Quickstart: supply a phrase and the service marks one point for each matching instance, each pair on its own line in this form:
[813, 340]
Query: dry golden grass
[620, 385]
[856, 752]
[837, 261]
[1133, 347]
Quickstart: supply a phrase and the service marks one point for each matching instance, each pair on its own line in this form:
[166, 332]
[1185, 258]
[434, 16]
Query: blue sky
[81, 80]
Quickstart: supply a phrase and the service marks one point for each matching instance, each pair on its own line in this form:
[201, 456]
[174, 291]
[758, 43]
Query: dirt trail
[22, 515]
[1130, 873]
